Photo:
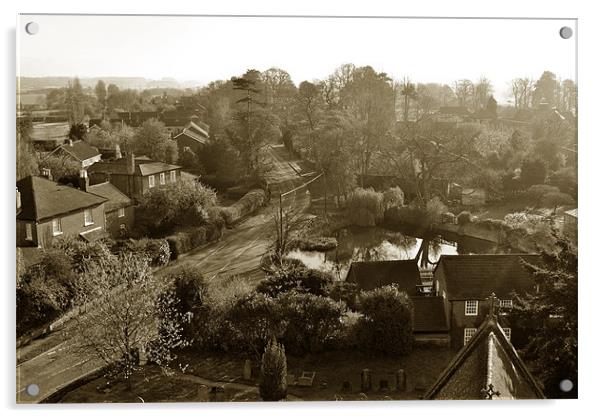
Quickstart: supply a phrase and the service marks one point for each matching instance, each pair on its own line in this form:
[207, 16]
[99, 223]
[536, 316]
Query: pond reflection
[373, 244]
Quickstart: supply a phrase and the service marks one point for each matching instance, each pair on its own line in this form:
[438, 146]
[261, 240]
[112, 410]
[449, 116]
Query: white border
[589, 140]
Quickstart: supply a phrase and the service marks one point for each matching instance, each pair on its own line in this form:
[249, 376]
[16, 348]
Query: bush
[386, 325]
[312, 322]
[464, 218]
[156, 250]
[272, 385]
[344, 292]
[191, 294]
[300, 279]
[315, 243]
[185, 240]
[365, 207]
[392, 198]
[246, 205]
[83, 253]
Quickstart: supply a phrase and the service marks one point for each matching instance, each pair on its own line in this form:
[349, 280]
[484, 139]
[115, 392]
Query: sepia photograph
[290, 209]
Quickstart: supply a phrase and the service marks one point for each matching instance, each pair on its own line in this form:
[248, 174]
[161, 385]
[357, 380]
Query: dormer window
[88, 220]
[471, 307]
[56, 227]
[151, 182]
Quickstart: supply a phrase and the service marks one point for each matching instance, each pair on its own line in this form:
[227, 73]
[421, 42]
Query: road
[49, 362]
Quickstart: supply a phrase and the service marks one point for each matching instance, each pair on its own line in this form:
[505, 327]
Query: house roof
[476, 276]
[143, 167]
[373, 274]
[50, 131]
[572, 212]
[92, 235]
[487, 359]
[429, 314]
[115, 198]
[189, 133]
[79, 150]
[42, 199]
[199, 128]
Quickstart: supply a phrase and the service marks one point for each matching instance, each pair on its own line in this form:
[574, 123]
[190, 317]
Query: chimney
[46, 173]
[84, 180]
[18, 200]
[70, 142]
[131, 163]
[118, 155]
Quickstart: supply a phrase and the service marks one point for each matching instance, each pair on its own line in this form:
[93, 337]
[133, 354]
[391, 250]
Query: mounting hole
[32, 28]
[32, 389]
[566, 385]
[566, 32]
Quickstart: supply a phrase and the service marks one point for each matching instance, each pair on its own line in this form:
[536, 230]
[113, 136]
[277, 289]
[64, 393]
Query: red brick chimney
[131, 163]
[84, 180]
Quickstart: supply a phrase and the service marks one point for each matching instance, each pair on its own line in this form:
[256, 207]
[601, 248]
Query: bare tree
[464, 90]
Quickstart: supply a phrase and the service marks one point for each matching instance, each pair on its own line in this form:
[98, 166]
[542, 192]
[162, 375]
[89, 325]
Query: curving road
[49, 362]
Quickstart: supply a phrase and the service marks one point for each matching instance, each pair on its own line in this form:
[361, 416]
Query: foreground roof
[42, 199]
[487, 367]
[115, 198]
[373, 274]
[476, 276]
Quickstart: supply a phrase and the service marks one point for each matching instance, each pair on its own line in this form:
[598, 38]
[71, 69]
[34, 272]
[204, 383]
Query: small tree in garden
[555, 199]
[272, 386]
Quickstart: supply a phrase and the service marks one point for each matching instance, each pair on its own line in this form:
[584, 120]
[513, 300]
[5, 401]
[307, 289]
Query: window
[28, 232]
[172, 176]
[88, 220]
[151, 182]
[471, 307]
[121, 212]
[56, 227]
[506, 303]
[162, 178]
[468, 334]
[507, 332]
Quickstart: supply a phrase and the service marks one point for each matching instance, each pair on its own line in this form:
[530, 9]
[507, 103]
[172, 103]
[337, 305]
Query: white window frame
[507, 333]
[161, 178]
[120, 212]
[88, 217]
[57, 228]
[505, 303]
[468, 334]
[471, 308]
[172, 176]
[151, 181]
[28, 232]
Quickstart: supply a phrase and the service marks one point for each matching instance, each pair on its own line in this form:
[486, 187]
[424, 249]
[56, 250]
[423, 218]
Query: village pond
[374, 244]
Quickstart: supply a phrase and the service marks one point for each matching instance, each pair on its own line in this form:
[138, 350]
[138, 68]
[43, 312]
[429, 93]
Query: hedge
[157, 250]
[185, 240]
[246, 205]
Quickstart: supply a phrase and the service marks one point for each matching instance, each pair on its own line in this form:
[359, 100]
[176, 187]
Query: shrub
[386, 325]
[392, 197]
[185, 240]
[300, 279]
[464, 218]
[315, 243]
[344, 292]
[538, 191]
[272, 385]
[365, 207]
[191, 295]
[83, 253]
[404, 216]
[156, 250]
[312, 322]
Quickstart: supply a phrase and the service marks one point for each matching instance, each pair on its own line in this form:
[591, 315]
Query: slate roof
[143, 167]
[487, 359]
[43, 199]
[115, 198]
[429, 314]
[192, 135]
[79, 150]
[476, 276]
[373, 274]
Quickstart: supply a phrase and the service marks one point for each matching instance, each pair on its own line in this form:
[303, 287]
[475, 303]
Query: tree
[152, 139]
[302, 280]
[482, 92]
[522, 91]
[551, 316]
[533, 171]
[464, 91]
[309, 101]
[555, 199]
[74, 101]
[272, 386]
[408, 90]
[546, 89]
[491, 107]
[62, 168]
[181, 203]
[129, 312]
[27, 162]
[101, 94]
[386, 325]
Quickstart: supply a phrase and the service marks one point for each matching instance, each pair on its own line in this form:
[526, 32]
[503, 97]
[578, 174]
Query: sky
[211, 48]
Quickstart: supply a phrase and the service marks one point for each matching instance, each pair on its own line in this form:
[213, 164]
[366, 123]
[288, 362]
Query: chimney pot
[118, 155]
[131, 163]
[84, 180]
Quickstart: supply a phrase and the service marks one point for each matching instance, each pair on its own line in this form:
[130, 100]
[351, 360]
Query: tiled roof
[42, 199]
[476, 276]
[115, 198]
[80, 150]
[373, 274]
[487, 359]
[429, 314]
[192, 135]
[143, 167]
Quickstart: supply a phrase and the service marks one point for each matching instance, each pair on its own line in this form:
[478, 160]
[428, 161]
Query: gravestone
[246, 372]
[366, 380]
[400, 380]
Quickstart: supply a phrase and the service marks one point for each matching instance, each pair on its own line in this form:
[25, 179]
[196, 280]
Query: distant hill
[138, 83]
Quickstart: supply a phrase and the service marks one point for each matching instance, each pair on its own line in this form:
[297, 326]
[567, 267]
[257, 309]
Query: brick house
[79, 151]
[465, 282]
[47, 211]
[487, 367]
[430, 322]
[133, 176]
